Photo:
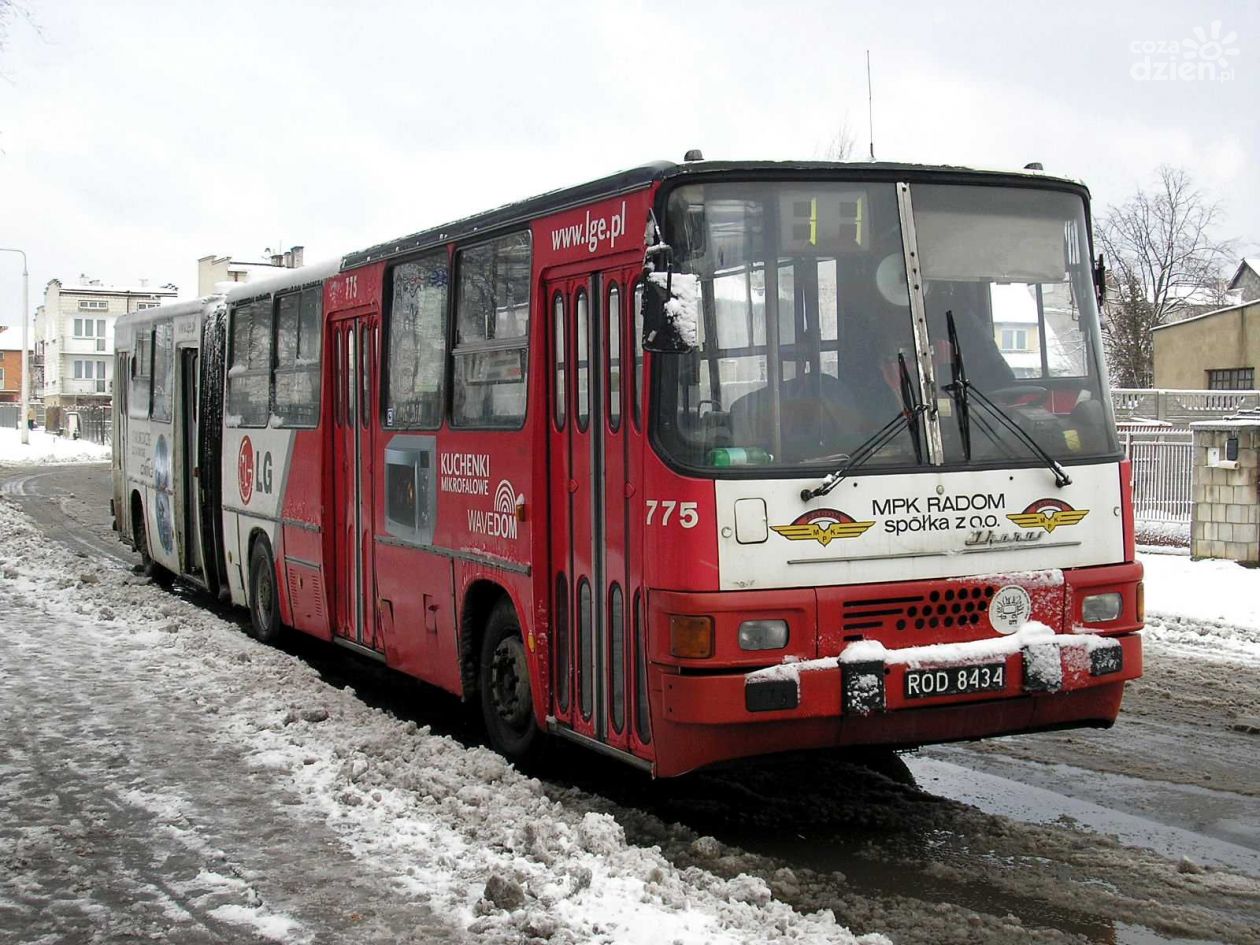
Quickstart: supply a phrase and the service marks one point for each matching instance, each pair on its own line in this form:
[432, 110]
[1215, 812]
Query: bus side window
[638, 397]
[249, 375]
[295, 380]
[141, 376]
[614, 358]
[163, 370]
[415, 339]
[492, 334]
[582, 357]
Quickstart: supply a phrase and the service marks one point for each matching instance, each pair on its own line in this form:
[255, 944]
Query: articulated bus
[689, 464]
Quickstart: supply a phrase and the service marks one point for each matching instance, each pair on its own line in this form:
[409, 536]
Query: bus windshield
[805, 307]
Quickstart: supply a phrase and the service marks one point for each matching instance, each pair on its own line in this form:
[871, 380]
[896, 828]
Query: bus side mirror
[1100, 280]
[671, 311]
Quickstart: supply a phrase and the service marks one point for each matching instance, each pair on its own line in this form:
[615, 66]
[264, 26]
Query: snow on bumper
[868, 679]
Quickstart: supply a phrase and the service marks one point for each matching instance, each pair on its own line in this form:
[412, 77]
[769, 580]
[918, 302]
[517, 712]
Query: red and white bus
[691, 463]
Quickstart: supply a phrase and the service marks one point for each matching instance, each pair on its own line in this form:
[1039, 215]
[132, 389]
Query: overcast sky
[137, 136]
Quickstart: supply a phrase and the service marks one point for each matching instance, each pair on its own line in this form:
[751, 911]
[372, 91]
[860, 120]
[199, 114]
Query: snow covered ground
[1211, 606]
[109, 682]
[163, 777]
[45, 448]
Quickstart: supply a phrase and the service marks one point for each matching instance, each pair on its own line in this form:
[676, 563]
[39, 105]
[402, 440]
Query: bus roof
[566, 198]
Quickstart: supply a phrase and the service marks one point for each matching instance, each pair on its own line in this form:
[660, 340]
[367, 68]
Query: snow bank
[46, 448]
[458, 828]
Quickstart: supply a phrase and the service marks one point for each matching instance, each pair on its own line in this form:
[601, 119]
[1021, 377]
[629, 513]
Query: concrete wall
[1225, 522]
[1186, 351]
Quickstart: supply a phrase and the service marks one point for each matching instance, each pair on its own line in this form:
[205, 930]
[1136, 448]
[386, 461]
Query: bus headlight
[1101, 608]
[690, 638]
[763, 634]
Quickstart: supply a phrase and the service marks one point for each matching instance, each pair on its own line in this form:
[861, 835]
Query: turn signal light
[1141, 602]
[690, 638]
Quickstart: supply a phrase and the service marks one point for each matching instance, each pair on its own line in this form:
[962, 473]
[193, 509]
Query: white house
[74, 340]
[213, 271]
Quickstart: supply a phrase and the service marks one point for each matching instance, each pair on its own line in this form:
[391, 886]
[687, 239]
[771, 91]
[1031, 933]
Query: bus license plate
[956, 681]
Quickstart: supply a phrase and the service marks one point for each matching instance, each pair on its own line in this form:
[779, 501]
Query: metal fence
[1162, 461]
[95, 424]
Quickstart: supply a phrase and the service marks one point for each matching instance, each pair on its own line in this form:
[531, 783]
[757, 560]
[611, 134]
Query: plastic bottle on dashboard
[739, 456]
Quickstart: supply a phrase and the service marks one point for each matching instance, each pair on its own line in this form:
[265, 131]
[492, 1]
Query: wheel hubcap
[509, 683]
[263, 600]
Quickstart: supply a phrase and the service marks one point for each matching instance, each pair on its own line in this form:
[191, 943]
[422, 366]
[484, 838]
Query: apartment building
[73, 363]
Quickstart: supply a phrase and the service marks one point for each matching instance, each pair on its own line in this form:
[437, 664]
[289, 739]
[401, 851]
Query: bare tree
[1164, 261]
[841, 144]
[10, 12]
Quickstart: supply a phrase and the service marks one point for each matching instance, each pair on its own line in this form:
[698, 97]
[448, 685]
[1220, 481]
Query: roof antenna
[870, 105]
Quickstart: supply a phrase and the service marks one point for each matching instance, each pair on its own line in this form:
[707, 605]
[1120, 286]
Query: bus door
[189, 468]
[355, 341]
[592, 478]
[122, 376]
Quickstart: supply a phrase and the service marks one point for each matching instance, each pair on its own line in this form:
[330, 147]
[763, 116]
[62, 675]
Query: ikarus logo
[823, 526]
[1048, 514]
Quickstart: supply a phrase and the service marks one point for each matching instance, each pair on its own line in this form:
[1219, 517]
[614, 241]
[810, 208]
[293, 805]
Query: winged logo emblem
[1048, 514]
[823, 526]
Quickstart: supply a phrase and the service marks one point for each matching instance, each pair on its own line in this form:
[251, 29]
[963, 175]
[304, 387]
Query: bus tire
[507, 703]
[148, 567]
[264, 598]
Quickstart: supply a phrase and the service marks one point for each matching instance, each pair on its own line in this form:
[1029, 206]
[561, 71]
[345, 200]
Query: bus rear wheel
[507, 703]
[264, 602]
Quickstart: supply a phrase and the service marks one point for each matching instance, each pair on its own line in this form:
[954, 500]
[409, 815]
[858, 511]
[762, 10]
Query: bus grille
[955, 606]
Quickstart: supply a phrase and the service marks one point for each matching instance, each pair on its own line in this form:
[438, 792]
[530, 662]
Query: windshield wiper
[907, 417]
[960, 391]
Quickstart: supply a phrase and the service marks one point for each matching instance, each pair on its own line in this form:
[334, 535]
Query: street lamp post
[26, 359]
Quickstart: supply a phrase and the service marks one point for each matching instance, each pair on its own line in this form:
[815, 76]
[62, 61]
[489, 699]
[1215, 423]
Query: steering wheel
[806, 424]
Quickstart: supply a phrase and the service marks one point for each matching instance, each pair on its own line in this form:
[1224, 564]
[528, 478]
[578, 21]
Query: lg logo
[252, 469]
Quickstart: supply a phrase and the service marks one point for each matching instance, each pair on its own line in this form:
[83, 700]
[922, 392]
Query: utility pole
[26, 358]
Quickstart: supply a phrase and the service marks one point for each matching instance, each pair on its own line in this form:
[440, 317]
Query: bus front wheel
[507, 704]
[264, 602]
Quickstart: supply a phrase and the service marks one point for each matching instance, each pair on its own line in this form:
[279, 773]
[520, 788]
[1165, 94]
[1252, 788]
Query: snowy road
[162, 777]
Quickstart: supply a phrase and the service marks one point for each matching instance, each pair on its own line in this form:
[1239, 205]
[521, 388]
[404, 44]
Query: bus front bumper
[853, 686]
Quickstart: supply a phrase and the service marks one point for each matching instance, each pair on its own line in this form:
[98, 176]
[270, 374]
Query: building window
[1014, 339]
[1232, 379]
[141, 306]
[416, 343]
[89, 328]
[492, 338]
[1, 378]
[91, 371]
[93, 305]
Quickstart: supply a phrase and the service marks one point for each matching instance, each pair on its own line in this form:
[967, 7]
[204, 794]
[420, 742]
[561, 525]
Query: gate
[1162, 496]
